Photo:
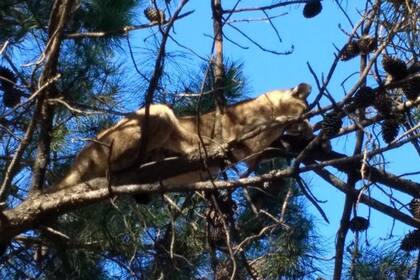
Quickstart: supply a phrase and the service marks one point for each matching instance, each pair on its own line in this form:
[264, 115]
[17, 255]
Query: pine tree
[70, 68]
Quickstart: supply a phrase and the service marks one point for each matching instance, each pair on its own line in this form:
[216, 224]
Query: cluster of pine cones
[362, 46]
[383, 102]
[397, 70]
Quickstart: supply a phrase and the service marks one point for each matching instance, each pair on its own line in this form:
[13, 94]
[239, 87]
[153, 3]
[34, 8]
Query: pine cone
[367, 44]
[411, 89]
[390, 128]
[227, 205]
[4, 121]
[312, 8]
[411, 241]
[364, 97]
[7, 78]
[215, 230]
[154, 15]
[358, 224]
[350, 51]
[415, 207]
[331, 124]
[383, 103]
[11, 97]
[394, 67]
[414, 68]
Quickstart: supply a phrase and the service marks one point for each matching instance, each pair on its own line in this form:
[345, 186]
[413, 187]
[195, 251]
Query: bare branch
[124, 30]
[269, 7]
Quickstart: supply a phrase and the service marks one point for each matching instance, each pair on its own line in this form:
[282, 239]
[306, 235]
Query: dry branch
[124, 30]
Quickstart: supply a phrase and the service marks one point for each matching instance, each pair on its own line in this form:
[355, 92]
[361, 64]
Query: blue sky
[313, 40]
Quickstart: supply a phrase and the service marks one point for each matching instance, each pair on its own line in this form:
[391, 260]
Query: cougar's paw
[281, 119]
[217, 150]
[211, 149]
[214, 148]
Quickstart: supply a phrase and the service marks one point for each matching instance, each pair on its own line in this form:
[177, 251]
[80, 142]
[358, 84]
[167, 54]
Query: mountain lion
[179, 135]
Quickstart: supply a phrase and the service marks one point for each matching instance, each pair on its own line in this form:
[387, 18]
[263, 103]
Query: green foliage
[234, 89]
[283, 253]
[178, 242]
[104, 15]
[17, 18]
[74, 264]
[381, 263]
[136, 241]
[287, 258]
[89, 81]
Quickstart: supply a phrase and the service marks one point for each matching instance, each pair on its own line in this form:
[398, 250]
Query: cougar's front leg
[194, 147]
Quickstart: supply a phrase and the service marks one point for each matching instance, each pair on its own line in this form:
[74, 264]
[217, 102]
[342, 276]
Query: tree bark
[60, 14]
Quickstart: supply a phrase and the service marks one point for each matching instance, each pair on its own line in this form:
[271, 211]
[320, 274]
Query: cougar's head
[290, 102]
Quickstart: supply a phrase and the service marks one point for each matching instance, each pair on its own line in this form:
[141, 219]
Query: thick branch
[59, 17]
[218, 66]
[36, 209]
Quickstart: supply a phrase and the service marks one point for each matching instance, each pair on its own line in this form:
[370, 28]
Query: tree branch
[59, 16]
[124, 30]
[376, 204]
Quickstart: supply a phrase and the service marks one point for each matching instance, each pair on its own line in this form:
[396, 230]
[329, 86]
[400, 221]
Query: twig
[235, 43]
[284, 206]
[267, 18]
[251, 238]
[125, 29]
[4, 46]
[71, 108]
[269, 7]
[260, 46]
[172, 203]
[11, 169]
[108, 173]
[406, 133]
[303, 188]
[376, 204]
[36, 94]
[273, 26]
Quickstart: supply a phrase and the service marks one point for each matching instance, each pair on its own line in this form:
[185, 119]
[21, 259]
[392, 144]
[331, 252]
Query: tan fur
[179, 135]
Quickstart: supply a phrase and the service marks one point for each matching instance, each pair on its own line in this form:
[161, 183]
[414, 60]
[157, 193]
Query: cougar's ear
[301, 91]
